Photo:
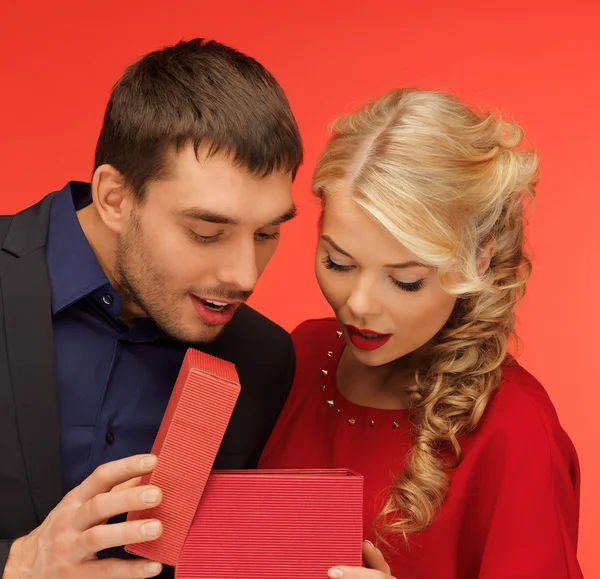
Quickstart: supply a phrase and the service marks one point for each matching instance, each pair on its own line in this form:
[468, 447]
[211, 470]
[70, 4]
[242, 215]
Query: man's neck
[102, 241]
[104, 245]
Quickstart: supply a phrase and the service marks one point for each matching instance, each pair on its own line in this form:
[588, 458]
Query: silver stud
[396, 424]
[329, 354]
[338, 334]
[323, 387]
[338, 411]
[351, 421]
[371, 423]
[324, 372]
[330, 403]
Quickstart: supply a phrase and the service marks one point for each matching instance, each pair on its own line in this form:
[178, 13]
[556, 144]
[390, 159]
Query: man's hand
[65, 545]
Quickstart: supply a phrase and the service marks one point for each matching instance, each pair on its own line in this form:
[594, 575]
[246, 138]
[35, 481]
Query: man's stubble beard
[140, 284]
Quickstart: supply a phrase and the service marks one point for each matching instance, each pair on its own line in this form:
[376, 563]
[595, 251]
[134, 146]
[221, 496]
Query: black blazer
[30, 455]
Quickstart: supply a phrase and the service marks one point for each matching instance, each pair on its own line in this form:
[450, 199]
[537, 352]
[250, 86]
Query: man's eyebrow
[205, 215]
[287, 216]
[200, 214]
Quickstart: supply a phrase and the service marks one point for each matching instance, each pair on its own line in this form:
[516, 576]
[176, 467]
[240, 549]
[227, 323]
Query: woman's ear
[486, 256]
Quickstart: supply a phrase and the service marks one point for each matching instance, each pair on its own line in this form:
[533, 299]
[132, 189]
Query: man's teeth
[215, 305]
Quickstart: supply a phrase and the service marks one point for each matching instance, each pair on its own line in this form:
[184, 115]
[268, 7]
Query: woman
[468, 472]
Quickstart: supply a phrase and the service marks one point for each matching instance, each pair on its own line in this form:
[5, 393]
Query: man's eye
[203, 238]
[267, 236]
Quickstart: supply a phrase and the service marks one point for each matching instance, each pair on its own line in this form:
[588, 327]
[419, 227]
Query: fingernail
[152, 567]
[150, 496]
[335, 573]
[151, 529]
[148, 461]
[369, 543]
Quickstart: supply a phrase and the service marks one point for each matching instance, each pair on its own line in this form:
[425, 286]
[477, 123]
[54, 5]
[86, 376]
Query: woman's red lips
[366, 339]
[365, 332]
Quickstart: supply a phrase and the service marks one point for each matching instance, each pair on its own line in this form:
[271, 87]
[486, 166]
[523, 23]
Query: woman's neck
[386, 386]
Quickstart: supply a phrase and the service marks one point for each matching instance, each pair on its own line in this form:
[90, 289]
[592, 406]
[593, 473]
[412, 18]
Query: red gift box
[263, 524]
[187, 442]
[274, 524]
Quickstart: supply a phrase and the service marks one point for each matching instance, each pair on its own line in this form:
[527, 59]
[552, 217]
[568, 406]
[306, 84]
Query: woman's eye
[414, 286]
[330, 264]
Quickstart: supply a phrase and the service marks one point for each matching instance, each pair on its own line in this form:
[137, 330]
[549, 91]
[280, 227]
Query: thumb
[374, 559]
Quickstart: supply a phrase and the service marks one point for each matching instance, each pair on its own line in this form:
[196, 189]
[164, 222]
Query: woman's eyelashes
[405, 286]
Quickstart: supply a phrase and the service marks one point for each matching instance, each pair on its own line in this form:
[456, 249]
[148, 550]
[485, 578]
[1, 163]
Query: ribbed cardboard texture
[187, 442]
[269, 524]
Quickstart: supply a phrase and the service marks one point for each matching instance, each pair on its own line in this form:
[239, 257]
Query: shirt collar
[73, 269]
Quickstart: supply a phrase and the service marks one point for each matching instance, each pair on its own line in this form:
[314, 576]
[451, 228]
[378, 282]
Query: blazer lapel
[26, 299]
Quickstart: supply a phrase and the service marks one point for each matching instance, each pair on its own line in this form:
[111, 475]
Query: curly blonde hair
[446, 182]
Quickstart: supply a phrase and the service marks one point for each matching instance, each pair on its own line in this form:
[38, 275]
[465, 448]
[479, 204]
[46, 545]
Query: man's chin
[193, 334]
[203, 335]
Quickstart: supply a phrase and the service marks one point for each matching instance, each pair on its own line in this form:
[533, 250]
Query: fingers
[134, 482]
[376, 566]
[111, 474]
[117, 535]
[121, 569]
[107, 505]
[374, 559]
[356, 573]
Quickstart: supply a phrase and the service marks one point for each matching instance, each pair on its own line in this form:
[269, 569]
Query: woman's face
[388, 304]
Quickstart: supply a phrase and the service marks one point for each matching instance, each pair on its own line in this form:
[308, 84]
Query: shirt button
[107, 299]
[110, 437]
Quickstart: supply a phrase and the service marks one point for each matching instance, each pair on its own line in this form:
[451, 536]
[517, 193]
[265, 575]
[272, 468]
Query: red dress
[513, 505]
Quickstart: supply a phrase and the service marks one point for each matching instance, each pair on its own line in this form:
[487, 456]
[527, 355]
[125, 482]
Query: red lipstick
[366, 339]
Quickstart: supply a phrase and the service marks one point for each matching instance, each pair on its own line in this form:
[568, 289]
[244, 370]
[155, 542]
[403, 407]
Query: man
[105, 285]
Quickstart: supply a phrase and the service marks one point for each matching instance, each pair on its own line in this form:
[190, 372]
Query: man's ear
[111, 198]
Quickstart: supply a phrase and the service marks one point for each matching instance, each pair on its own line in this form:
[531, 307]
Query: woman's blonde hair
[446, 182]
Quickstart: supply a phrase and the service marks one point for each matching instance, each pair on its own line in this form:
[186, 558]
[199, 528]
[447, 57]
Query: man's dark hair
[197, 91]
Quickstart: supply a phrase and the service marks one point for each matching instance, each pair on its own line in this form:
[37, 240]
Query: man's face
[193, 250]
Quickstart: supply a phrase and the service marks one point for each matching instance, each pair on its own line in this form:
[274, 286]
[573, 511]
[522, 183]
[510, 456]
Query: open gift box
[267, 524]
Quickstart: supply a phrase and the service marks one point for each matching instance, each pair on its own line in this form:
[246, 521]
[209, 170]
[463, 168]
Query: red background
[534, 60]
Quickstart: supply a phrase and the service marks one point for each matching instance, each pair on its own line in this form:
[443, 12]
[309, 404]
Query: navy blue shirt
[113, 380]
